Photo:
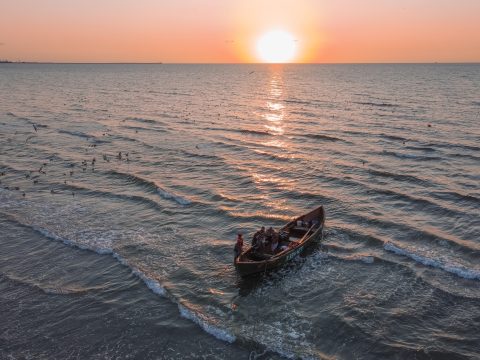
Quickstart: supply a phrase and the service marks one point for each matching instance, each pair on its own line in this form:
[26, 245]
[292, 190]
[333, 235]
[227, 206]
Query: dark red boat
[295, 237]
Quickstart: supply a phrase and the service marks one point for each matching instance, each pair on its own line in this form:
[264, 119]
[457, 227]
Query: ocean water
[123, 187]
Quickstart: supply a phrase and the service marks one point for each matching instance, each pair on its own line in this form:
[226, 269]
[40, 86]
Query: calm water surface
[123, 187]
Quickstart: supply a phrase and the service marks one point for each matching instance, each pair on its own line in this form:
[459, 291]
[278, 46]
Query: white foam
[207, 327]
[451, 268]
[152, 284]
[167, 195]
[367, 259]
[364, 259]
[48, 234]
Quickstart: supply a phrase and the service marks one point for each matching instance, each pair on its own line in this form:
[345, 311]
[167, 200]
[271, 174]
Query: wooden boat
[295, 237]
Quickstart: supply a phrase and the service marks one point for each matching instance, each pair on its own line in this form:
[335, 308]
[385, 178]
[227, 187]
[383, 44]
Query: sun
[276, 46]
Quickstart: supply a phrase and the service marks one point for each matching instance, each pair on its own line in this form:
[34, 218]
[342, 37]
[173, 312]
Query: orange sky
[226, 31]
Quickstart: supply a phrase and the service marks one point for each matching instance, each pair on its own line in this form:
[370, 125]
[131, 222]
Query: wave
[27, 120]
[168, 116]
[321, 137]
[130, 127]
[367, 259]
[400, 177]
[420, 148]
[455, 145]
[457, 197]
[383, 104]
[443, 241]
[297, 101]
[275, 156]
[77, 108]
[258, 216]
[157, 288]
[9, 169]
[227, 145]
[241, 131]
[410, 156]
[152, 283]
[152, 186]
[200, 155]
[169, 195]
[219, 333]
[125, 138]
[255, 132]
[466, 156]
[144, 120]
[75, 133]
[304, 113]
[88, 191]
[51, 290]
[364, 259]
[389, 246]
[393, 137]
[176, 93]
[316, 198]
[455, 269]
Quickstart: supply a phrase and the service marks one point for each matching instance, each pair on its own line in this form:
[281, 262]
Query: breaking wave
[455, 269]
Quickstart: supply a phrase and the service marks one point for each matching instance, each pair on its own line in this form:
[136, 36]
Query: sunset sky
[229, 31]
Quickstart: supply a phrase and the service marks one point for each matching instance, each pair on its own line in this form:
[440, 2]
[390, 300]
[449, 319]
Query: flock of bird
[35, 175]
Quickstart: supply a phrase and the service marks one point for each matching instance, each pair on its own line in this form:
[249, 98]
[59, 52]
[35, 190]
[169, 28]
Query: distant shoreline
[162, 63]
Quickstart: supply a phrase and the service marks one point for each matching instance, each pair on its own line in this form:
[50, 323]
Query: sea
[123, 188]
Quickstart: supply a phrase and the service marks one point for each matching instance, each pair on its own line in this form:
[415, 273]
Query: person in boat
[258, 240]
[238, 245]
[269, 234]
[271, 241]
[274, 245]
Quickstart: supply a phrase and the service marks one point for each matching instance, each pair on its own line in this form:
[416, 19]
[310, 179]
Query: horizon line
[233, 63]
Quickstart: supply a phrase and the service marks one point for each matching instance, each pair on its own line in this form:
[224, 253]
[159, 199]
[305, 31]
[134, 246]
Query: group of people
[264, 243]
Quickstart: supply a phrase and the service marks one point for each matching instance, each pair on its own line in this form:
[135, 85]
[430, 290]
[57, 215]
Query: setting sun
[277, 46]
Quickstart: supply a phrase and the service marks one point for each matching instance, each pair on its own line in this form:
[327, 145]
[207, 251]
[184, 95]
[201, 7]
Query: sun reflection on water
[275, 108]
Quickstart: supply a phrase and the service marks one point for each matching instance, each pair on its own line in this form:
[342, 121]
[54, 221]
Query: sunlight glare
[277, 46]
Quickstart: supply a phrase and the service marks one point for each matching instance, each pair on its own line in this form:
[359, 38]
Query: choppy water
[109, 256]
